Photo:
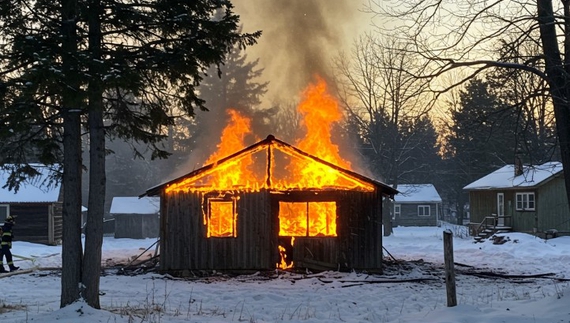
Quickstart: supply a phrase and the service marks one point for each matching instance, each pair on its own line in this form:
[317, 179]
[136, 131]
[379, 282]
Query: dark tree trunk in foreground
[557, 73]
[97, 179]
[71, 100]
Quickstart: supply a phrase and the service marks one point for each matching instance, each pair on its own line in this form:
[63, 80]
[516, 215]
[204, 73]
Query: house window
[307, 219]
[525, 201]
[4, 212]
[397, 211]
[423, 210]
[221, 218]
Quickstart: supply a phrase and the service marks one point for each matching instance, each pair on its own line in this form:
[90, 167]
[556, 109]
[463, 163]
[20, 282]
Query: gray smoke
[299, 41]
[300, 38]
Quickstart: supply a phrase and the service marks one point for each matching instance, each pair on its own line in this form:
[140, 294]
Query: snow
[36, 189]
[314, 297]
[417, 193]
[135, 205]
[505, 177]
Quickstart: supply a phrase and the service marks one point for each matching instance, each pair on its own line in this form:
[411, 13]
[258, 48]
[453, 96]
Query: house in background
[416, 205]
[37, 205]
[135, 217]
[270, 214]
[529, 199]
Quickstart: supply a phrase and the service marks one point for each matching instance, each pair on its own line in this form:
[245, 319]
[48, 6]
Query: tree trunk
[97, 178]
[71, 101]
[71, 244]
[557, 80]
[94, 227]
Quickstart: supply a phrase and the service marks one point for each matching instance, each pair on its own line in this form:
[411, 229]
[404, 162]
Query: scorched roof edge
[155, 190]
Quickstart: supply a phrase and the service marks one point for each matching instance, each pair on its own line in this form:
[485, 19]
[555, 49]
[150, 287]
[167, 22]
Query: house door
[501, 209]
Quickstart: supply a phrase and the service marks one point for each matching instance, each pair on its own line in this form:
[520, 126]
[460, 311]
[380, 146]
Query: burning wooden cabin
[271, 205]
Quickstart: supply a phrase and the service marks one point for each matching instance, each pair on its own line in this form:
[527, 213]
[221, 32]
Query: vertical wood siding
[136, 226]
[37, 222]
[360, 235]
[553, 205]
[483, 204]
[185, 247]
[184, 244]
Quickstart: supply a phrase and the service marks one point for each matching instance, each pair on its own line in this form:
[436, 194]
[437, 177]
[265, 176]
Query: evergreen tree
[420, 152]
[482, 137]
[233, 86]
[525, 94]
[131, 63]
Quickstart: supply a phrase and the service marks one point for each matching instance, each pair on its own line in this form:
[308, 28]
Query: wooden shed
[529, 199]
[417, 205]
[37, 205]
[271, 205]
[136, 218]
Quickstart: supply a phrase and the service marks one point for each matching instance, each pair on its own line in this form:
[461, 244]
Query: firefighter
[6, 244]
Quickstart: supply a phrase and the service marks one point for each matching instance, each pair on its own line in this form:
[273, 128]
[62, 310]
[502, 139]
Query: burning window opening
[303, 219]
[221, 218]
[307, 219]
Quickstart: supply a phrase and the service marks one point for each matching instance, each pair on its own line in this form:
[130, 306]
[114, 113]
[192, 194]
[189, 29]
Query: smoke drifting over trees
[299, 38]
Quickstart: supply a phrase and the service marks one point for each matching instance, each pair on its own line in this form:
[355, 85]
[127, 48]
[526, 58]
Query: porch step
[491, 230]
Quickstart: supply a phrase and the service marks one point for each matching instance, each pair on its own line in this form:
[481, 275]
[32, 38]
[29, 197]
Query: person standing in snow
[6, 244]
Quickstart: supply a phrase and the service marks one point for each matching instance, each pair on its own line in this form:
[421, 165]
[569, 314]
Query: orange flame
[320, 111]
[233, 139]
[233, 136]
[233, 174]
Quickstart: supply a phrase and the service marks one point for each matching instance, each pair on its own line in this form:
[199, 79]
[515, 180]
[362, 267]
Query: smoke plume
[299, 41]
[300, 38]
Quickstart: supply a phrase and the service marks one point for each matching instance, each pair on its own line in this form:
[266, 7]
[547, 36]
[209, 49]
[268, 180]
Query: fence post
[449, 268]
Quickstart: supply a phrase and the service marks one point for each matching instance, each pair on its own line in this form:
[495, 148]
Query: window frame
[308, 217]
[524, 200]
[397, 210]
[7, 211]
[423, 207]
[208, 216]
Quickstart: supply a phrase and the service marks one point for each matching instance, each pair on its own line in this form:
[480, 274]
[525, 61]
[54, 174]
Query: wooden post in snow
[449, 268]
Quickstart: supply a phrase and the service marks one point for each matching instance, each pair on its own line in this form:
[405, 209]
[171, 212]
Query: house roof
[417, 193]
[265, 144]
[135, 205]
[40, 188]
[504, 177]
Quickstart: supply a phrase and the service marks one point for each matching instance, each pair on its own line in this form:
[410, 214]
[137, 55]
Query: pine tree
[525, 94]
[233, 86]
[131, 63]
[481, 138]
[420, 159]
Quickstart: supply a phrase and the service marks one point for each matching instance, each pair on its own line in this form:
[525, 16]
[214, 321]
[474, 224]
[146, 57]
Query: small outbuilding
[37, 204]
[417, 205]
[271, 205]
[135, 217]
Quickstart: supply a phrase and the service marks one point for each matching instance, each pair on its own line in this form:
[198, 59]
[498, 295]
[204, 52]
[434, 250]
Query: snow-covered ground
[315, 297]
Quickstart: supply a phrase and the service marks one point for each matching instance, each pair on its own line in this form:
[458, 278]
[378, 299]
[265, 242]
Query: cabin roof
[135, 205]
[266, 143]
[40, 188]
[417, 193]
[504, 177]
